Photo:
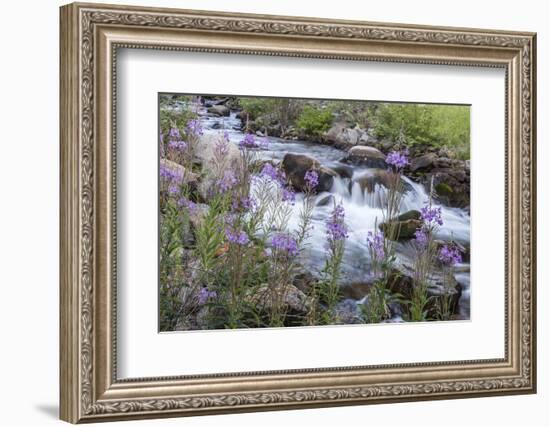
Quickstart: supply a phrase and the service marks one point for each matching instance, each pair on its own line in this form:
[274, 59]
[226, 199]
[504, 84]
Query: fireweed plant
[336, 235]
[381, 243]
[425, 253]
[179, 291]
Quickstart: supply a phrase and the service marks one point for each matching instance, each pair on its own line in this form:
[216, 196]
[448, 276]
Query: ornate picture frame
[90, 37]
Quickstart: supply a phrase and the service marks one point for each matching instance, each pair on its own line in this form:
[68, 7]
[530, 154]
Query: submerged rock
[327, 200]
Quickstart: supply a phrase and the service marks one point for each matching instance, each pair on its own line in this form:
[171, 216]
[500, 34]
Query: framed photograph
[267, 212]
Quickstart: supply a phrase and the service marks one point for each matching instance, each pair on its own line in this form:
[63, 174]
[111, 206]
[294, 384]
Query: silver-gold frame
[90, 37]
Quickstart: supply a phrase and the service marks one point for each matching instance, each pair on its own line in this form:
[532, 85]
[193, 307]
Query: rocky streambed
[353, 172]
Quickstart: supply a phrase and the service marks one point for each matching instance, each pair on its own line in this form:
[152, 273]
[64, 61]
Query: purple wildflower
[285, 243]
[186, 203]
[397, 159]
[431, 216]
[194, 127]
[228, 181]
[421, 237]
[336, 228]
[170, 174]
[205, 295]
[271, 172]
[450, 255]
[243, 204]
[288, 195]
[375, 241]
[173, 189]
[249, 141]
[174, 134]
[237, 237]
[312, 179]
[177, 145]
[221, 149]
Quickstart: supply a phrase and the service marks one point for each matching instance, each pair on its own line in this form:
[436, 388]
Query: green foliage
[422, 124]
[256, 107]
[283, 111]
[314, 121]
[354, 112]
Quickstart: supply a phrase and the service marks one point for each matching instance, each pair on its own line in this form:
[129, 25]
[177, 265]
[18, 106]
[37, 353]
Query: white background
[29, 170]
[143, 352]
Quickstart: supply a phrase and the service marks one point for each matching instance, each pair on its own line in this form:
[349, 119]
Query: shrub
[420, 124]
[314, 121]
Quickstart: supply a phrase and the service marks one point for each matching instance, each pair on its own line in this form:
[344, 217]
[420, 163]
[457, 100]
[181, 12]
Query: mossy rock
[412, 214]
[444, 190]
[400, 230]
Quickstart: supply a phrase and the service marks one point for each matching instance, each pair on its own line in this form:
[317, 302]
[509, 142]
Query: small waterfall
[340, 187]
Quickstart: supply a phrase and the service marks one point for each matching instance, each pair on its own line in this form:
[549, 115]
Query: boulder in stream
[365, 156]
[295, 167]
[219, 110]
[400, 229]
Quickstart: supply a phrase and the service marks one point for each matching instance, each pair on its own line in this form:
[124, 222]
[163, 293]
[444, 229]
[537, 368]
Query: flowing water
[363, 209]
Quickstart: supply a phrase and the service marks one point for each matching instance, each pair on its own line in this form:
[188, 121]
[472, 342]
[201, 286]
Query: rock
[347, 312]
[345, 171]
[327, 200]
[366, 156]
[373, 177]
[209, 102]
[443, 162]
[412, 214]
[219, 110]
[242, 115]
[294, 301]
[370, 179]
[400, 230]
[341, 136]
[188, 176]
[365, 139]
[401, 283]
[204, 151]
[304, 281]
[452, 186]
[355, 291]
[295, 167]
[423, 162]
